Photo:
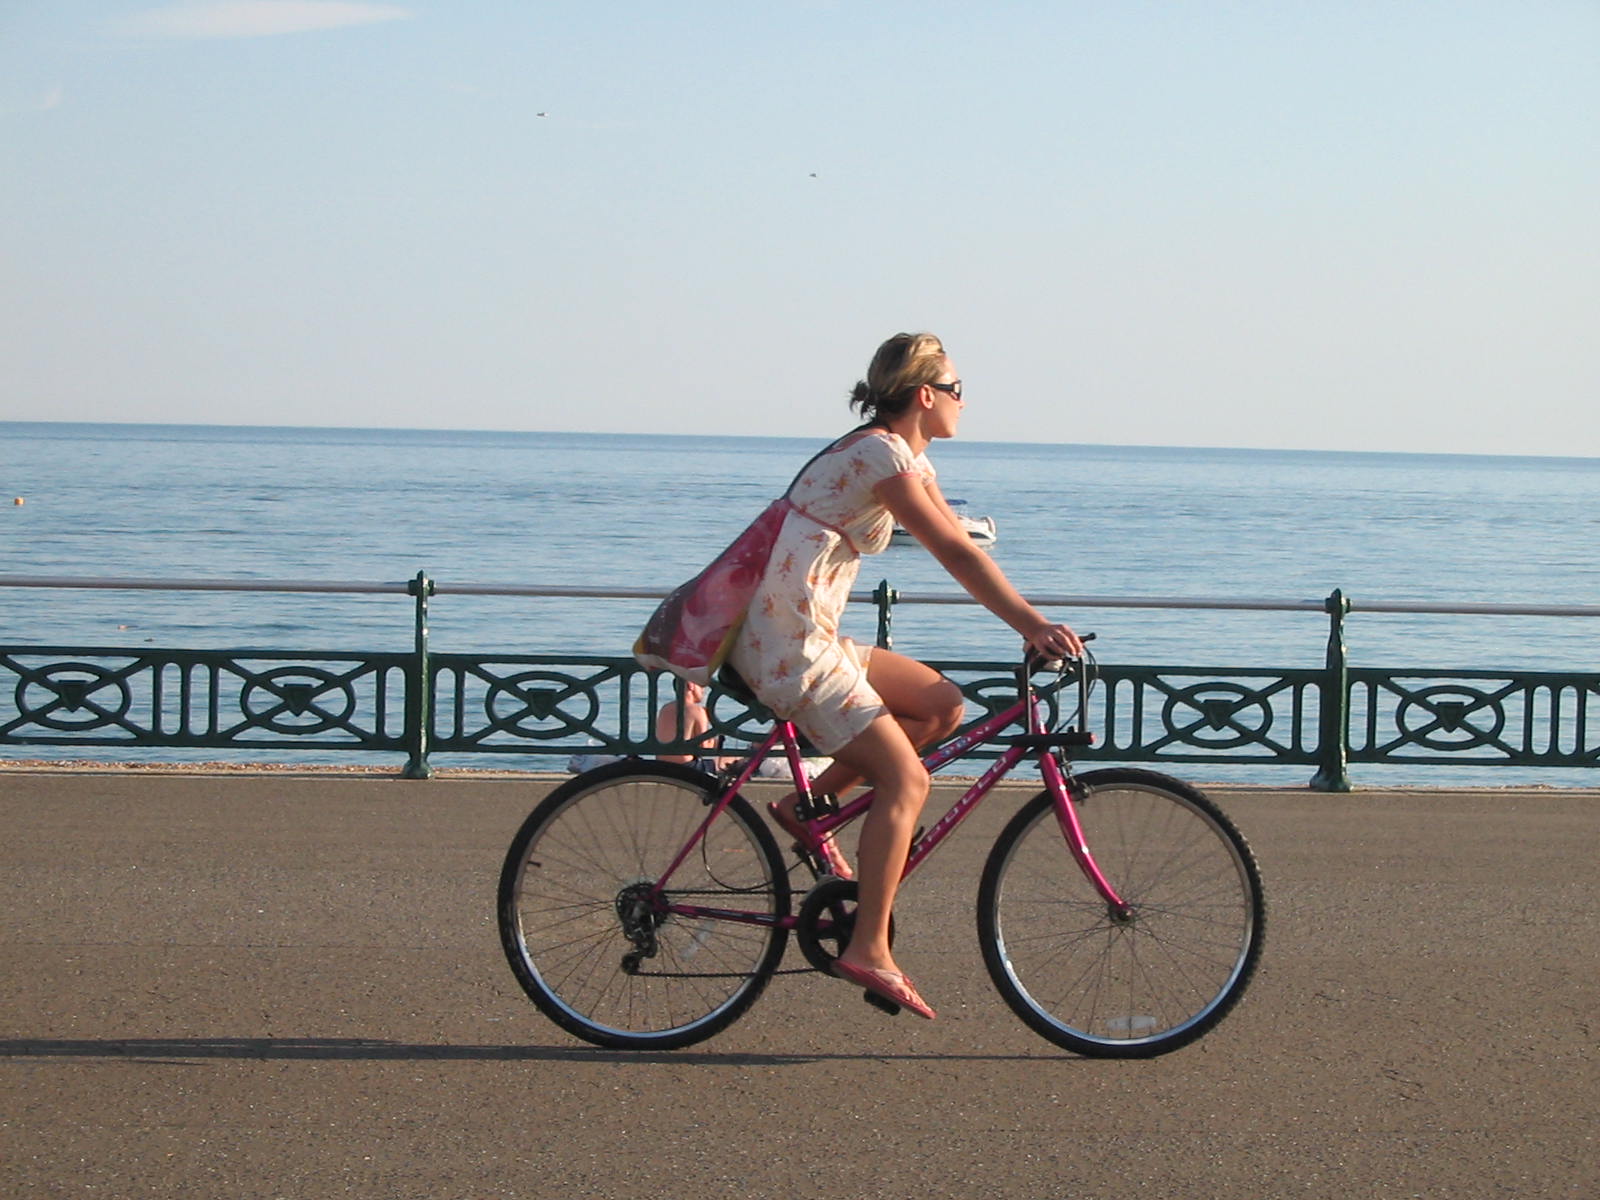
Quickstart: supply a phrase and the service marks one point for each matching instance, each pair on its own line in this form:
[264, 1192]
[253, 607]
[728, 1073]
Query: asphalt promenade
[290, 985]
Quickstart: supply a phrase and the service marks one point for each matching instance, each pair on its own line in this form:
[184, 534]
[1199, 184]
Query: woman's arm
[924, 514]
[937, 496]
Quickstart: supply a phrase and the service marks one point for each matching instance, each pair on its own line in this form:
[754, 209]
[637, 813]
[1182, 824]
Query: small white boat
[980, 529]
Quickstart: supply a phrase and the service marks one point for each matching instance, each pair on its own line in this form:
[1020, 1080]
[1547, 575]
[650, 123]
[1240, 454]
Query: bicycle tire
[1120, 986]
[572, 911]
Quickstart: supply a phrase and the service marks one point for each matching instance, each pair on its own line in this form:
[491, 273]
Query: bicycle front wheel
[596, 947]
[1153, 976]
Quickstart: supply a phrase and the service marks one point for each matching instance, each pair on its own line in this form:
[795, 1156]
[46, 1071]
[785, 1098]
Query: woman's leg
[885, 757]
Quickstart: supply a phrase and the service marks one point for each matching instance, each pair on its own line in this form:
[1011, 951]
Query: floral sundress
[789, 651]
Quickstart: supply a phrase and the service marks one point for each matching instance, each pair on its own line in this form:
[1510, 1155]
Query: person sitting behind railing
[696, 721]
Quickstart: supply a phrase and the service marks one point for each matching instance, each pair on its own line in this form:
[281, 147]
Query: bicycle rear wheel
[1132, 984]
[601, 956]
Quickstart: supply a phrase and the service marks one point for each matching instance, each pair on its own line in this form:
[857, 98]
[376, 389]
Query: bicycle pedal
[879, 1002]
[809, 808]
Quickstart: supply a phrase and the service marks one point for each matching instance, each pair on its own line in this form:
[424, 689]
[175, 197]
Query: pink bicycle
[645, 905]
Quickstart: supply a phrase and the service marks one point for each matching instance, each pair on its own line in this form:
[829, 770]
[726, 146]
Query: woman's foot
[824, 852]
[894, 986]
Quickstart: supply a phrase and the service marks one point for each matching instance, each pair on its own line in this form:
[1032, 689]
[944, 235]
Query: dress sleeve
[887, 456]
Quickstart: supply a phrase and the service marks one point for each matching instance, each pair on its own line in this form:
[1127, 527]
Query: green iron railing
[424, 702]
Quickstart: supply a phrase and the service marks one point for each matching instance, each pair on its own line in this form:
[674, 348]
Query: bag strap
[828, 449]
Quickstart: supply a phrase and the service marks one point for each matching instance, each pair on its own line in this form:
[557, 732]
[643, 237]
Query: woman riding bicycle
[871, 709]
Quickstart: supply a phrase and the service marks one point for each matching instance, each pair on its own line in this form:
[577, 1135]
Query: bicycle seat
[730, 681]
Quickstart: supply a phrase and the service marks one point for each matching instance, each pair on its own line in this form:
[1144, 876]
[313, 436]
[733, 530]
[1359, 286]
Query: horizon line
[799, 437]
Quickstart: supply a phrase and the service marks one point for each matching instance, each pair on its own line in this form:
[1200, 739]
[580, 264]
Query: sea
[1077, 524]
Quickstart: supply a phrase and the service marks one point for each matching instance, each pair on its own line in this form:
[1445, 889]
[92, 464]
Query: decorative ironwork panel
[1194, 714]
[212, 699]
[529, 704]
[991, 687]
[1540, 719]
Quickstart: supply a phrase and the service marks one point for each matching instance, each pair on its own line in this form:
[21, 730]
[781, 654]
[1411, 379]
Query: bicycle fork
[1061, 789]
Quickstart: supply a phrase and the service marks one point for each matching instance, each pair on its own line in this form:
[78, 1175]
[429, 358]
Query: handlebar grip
[1032, 662]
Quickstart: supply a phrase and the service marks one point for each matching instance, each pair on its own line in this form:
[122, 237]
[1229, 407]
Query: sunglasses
[953, 388]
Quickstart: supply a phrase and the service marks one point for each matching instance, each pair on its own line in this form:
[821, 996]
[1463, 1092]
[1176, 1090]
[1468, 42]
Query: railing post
[884, 597]
[419, 689]
[1333, 733]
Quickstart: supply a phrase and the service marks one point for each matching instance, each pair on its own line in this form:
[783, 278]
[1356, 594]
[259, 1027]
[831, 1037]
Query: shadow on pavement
[378, 1050]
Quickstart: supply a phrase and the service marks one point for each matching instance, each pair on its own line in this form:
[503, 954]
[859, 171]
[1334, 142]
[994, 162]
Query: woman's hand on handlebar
[1052, 641]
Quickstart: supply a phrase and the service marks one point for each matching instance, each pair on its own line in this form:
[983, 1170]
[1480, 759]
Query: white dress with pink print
[789, 651]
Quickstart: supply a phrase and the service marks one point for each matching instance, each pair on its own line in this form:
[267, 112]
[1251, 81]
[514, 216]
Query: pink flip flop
[890, 985]
[826, 851]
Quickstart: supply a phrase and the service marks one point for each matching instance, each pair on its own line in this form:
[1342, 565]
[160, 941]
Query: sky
[1342, 225]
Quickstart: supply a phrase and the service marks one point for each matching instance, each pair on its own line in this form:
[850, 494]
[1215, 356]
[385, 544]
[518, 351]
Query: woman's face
[947, 404]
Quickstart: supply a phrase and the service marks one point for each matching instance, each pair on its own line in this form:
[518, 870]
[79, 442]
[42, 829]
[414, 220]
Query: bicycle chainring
[826, 920]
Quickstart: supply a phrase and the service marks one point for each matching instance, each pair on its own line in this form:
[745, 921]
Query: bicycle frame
[1057, 783]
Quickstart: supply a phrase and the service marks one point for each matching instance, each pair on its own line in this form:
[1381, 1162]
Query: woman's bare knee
[904, 788]
[950, 707]
[898, 781]
[887, 759]
[930, 705]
